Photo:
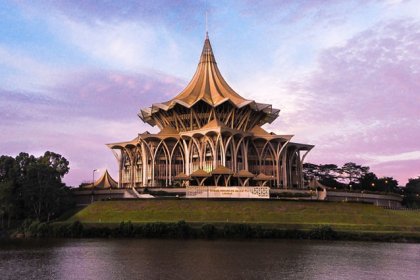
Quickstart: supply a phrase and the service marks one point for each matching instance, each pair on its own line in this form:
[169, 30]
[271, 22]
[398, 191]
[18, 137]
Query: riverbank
[306, 215]
[183, 230]
[212, 219]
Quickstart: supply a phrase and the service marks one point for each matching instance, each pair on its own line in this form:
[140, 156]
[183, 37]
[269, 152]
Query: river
[200, 259]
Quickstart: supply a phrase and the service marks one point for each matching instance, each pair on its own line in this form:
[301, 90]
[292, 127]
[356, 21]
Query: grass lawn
[270, 213]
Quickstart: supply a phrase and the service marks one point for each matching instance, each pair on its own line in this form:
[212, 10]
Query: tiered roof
[209, 86]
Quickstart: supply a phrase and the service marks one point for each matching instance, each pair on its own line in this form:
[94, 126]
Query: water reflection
[198, 259]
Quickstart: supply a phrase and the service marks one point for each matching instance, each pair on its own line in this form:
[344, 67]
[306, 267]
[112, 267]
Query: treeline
[349, 176]
[32, 188]
[183, 230]
[412, 193]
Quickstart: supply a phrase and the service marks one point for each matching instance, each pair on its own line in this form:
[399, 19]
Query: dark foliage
[182, 230]
[31, 187]
[350, 176]
[412, 193]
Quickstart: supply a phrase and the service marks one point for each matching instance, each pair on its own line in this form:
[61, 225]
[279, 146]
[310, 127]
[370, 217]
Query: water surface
[200, 259]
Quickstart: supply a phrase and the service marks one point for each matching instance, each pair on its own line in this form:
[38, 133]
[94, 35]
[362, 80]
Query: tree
[327, 174]
[368, 182]
[413, 185]
[387, 184]
[32, 187]
[7, 187]
[57, 162]
[412, 193]
[352, 173]
[310, 171]
[43, 188]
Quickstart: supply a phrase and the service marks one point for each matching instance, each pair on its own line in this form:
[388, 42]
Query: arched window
[178, 160]
[161, 166]
[268, 161]
[194, 157]
[253, 160]
[208, 157]
[138, 176]
[126, 168]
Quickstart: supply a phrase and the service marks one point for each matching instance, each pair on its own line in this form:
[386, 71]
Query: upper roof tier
[208, 85]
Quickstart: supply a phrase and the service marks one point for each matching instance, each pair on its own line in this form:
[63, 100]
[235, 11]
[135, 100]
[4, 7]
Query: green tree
[412, 193]
[368, 182]
[32, 187]
[42, 188]
[7, 189]
[387, 184]
[310, 171]
[326, 174]
[352, 173]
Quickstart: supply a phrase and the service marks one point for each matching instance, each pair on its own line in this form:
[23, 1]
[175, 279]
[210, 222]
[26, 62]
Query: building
[210, 135]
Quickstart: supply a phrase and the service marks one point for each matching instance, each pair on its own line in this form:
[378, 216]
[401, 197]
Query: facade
[210, 135]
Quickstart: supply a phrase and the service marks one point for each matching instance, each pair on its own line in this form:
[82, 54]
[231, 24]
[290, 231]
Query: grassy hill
[272, 213]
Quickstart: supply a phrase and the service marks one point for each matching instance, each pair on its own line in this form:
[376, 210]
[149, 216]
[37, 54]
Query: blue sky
[346, 74]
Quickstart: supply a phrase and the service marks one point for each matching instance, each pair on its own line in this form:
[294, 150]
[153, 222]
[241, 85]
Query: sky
[345, 74]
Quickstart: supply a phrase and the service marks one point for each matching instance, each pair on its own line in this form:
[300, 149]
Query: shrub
[208, 231]
[238, 231]
[323, 233]
[183, 230]
[75, 229]
[126, 229]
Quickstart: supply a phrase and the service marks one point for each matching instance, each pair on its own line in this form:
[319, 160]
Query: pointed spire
[207, 53]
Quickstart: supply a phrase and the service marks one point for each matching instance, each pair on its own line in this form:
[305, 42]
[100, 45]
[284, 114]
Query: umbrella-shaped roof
[104, 182]
[182, 176]
[244, 174]
[263, 177]
[222, 170]
[200, 173]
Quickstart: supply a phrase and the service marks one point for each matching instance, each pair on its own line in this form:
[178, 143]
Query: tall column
[301, 166]
[170, 169]
[186, 157]
[120, 164]
[144, 164]
[284, 165]
[152, 151]
[245, 144]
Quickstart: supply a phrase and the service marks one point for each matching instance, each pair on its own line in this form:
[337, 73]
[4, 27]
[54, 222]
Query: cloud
[379, 159]
[363, 98]
[90, 11]
[20, 70]
[114, 95]
[80, 115]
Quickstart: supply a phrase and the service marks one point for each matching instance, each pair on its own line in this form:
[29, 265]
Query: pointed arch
[177, 159]
[268, 160]
[161, 164]
[253, 158]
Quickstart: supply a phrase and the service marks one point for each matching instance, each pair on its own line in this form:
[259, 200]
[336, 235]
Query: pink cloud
[81, 115]
[364, 99]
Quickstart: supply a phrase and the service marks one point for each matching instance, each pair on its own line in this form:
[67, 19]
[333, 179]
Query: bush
[74, 230]
[43, 230]
[183, 230]
[208, 231]
[126, 229]
[238, 231]
[323, 233]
